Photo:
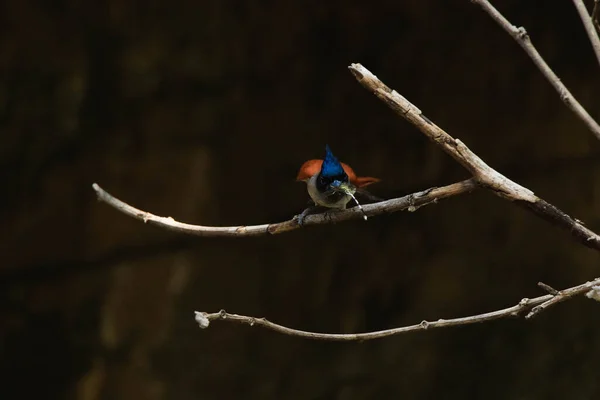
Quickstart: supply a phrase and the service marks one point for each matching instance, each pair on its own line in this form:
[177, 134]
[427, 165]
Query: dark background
[203, 111]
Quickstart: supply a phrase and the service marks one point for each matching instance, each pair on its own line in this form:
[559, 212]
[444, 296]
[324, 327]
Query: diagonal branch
[521, 36]
[483, 173]
[586, 19]
[410, 202]
[539, 303]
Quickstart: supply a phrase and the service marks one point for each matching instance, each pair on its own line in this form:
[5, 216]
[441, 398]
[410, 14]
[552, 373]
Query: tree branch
[588, 24]
[483, 173]
[536, 305]
[559, 296]
[521, 36]
[410, 202]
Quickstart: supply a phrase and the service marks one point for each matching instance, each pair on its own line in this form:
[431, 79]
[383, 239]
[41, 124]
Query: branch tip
[201, 319]
[594, 294]
[354, 69]
[548, 288]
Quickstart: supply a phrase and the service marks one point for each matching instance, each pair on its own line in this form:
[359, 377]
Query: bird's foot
[300, 217]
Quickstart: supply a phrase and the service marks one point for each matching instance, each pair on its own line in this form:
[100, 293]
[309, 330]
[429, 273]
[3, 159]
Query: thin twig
[483, 173]
[586, 19]
[521, 36]
[561, 296]
[548, 288]
[539, 303]
[410, 202]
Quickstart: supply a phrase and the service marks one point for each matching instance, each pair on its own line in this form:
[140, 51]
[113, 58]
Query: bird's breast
[330, 200]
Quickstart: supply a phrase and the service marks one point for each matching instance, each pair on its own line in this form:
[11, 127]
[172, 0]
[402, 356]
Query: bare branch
[562, 295]
[539, 304]
[586, 19]
[483, 173]
[521, 36]
[410, 202]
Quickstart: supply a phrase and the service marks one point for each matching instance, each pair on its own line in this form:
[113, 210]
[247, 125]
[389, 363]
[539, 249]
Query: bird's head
[331, 171]
[313, 167]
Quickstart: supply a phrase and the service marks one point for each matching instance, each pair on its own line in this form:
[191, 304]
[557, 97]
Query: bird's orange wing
[312, 167]
[308, 169]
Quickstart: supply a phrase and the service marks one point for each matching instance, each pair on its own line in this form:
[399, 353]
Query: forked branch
[534, 306]
[521, 36]
[483, 173]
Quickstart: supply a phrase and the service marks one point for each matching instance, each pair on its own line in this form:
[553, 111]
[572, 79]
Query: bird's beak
[343, 187]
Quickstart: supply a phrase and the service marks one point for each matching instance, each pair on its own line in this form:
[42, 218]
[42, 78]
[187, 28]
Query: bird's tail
[363, 181]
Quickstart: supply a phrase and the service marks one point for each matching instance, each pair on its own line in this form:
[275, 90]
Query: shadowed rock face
[204, 111]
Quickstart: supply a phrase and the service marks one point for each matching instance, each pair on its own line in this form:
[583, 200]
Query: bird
[332, 184]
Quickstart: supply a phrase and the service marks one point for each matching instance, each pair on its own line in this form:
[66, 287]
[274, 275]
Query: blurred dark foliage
[203, 111]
